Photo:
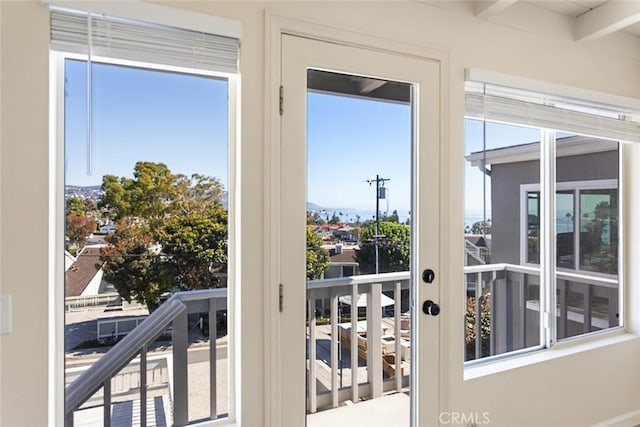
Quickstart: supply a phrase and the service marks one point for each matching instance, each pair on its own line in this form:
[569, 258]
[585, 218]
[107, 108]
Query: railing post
[523, 312]
[478, 315]
[312, 380]
[354, 344]
[586, 318]
[143, 386]
[213, 359]
[374, 340]
[179, 338]
[492, 320]
[501, 314]
[562, 301]
[107, 403]
[397, 311]
[613, 307]
[334, 348]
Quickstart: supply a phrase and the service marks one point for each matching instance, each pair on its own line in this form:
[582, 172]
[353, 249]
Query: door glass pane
[146, 216]
[587, 237]
[358, 225]
[502, 234]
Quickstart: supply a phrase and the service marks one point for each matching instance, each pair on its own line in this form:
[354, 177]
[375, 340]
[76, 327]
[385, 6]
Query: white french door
[359, 73]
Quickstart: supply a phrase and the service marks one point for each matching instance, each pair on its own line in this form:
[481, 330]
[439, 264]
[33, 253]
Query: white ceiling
[590, 19]
[577, 8]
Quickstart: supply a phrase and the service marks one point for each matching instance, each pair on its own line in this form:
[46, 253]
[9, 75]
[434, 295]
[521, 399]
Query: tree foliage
[134, 265]
[196, 244]
[171, 233]
[393, 248]
[317, 256]
[394, 217]
[314, 218]
[75, 206]
[481, 227]
[335, 219]
[78, 228]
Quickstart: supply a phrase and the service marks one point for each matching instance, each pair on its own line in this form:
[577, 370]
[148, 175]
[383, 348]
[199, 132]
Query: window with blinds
[509, 105]
[97, 35]
[543, 214]
[145, 118]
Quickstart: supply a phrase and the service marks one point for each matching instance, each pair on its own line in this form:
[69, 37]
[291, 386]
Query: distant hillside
[312, 207]
[91, 192]
[95, 192]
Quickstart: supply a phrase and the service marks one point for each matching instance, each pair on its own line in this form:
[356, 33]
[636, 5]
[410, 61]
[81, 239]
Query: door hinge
[281, 297]
[281, 100]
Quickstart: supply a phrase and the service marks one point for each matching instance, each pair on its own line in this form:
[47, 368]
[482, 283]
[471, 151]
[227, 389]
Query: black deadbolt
[431, 308]
[428, 276]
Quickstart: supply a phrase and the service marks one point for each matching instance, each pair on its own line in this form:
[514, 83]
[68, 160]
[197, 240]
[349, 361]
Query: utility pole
[377, 235]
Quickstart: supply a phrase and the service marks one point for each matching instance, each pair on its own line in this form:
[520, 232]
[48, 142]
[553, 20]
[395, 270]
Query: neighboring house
[477, 249]
[84, 276]
[346, 234]
[586, 200]
[587, 168]
[342, 261]
[69, 259]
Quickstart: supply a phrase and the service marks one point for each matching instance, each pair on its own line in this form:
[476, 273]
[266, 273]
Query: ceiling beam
[606, 19]
[488, 8]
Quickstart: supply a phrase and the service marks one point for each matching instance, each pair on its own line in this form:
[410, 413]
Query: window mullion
[547, 237]
[576, 232]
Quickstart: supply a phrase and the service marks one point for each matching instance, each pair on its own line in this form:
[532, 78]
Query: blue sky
[182, 120]
[177, 119]
[351, 140]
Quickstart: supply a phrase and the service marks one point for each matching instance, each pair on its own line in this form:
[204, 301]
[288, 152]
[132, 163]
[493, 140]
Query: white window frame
[57, 221]
[576, 187]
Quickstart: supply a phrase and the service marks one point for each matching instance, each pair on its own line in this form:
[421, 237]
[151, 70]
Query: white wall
[570, 391]
[23, 187]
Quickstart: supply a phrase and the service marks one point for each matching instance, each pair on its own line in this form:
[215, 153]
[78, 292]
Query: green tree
[393, 248]
[195, 247]
[77, 230]
[317, 256]
[314, 218]
[171, 233]
[481, 227]
[75, 206]
[394, 217]
[335, 219]
[116, 200]
[134, 265]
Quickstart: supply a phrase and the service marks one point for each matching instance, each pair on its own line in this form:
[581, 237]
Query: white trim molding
[625, 420]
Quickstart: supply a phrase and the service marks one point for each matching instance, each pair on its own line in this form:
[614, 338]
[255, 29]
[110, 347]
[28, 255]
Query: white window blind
[117, 38]
[505, 104]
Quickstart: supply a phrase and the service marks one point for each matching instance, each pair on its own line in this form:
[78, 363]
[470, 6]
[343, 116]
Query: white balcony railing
[103, 375]
[378, 341]
[513, 294]
[383, 352]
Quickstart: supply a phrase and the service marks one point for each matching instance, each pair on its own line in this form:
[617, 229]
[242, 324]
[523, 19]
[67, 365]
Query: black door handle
[431, 308]
[428, 275]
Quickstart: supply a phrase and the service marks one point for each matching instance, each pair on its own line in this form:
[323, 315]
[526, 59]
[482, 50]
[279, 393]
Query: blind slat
[140, 41]
[564, 115]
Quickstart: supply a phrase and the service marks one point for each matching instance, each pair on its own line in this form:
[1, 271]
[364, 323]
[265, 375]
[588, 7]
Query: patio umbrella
[362, 300]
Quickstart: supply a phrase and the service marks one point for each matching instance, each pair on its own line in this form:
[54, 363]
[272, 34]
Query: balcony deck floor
[388, 411]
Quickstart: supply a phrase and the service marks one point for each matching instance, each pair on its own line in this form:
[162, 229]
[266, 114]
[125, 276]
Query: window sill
[559, 350]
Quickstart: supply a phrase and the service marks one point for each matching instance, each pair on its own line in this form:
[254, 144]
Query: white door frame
[275, 27]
